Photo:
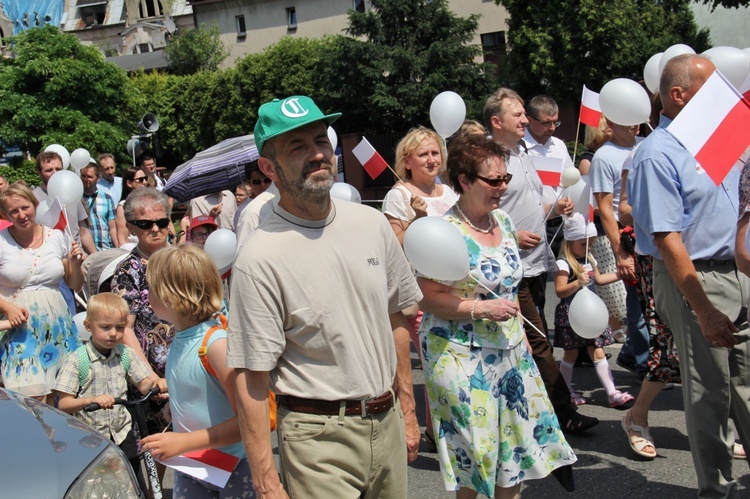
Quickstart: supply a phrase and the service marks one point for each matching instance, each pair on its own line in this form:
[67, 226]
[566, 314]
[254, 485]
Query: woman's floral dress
[31, 354]
[494, 423]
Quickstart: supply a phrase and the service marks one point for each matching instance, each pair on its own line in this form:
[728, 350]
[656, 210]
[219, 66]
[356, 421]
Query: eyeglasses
[258, 181]
[148, 224]
[495, 182]
[140, 179]
[547, 124]
[199, 235]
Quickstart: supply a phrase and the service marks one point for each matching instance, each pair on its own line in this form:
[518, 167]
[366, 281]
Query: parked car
[47, 453]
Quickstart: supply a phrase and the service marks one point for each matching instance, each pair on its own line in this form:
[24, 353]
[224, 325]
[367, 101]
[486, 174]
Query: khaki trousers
[715, 380]
[343, 457]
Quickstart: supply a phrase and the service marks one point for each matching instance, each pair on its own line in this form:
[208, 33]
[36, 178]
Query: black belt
[374, 405]
[713, 262]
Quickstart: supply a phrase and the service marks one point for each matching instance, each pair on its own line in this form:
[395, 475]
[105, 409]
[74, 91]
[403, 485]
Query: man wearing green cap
[318, 289]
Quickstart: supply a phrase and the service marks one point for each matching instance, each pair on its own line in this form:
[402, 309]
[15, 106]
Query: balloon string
[525, 321]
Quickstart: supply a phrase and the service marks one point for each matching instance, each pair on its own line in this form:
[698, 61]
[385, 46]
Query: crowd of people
[324, 305]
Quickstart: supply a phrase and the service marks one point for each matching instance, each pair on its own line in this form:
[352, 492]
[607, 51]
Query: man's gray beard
[306, 187]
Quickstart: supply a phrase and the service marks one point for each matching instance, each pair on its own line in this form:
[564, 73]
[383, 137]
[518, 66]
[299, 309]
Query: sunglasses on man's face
[258, 181]
[495, 182]
[147, 224]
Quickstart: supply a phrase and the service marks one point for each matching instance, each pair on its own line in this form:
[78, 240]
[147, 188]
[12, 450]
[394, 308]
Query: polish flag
[549, 169]
[50, 213]
[714, 126]
[371, 160]
[590, 111]
[212, 466]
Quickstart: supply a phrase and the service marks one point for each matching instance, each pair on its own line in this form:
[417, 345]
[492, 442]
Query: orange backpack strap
[203, 354]
[203, 349]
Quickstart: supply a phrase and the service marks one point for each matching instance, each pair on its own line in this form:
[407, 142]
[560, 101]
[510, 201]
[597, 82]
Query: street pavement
[606, 467]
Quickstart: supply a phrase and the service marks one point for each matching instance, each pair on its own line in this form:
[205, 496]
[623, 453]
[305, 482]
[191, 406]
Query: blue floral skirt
[494, 423]
[31, 354]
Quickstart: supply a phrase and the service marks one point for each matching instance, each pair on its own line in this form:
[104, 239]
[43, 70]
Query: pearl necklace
[468, 222]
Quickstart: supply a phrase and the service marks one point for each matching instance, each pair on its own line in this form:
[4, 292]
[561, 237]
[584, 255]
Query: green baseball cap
[280, 116]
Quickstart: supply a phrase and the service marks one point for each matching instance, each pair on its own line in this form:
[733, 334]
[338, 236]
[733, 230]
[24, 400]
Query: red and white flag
[714, 126]
[371, 160]
[212, 466]
[590, 111]
[549, 169]
[53, 216]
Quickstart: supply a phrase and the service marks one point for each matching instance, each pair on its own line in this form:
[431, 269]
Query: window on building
[150, 8]
[493, 45]
[142, 48]
[291, 18]
[92, 15]
[358, 5]
[240, 20]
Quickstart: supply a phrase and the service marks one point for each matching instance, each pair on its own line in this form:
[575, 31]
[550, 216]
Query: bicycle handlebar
[126, 403]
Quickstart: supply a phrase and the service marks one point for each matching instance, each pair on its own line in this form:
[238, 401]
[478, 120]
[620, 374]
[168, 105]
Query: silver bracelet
[473, 305]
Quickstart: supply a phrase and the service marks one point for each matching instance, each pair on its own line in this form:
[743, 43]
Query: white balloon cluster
[78, 159]
[732, 62]
[625, 102]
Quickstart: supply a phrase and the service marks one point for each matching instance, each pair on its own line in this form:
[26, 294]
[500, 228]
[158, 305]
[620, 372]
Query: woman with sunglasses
[132, 179]
[496, 424]
[147, 213]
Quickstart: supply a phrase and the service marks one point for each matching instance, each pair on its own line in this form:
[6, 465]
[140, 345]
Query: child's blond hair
[186, 279]
[566, 252]
[106, 304]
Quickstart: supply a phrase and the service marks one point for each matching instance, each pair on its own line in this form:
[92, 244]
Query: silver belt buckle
[363, 405]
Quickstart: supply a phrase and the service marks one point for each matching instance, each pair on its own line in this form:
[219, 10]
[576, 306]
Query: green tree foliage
[57, 90]
[197, 111]
[557, 46]
[196, 50]
[400, 54]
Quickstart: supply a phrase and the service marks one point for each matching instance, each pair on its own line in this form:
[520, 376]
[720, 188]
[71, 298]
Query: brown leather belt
[331, 407]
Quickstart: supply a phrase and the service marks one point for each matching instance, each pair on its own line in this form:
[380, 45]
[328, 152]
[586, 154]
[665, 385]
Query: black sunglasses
[140, 179]
[258, 181]
[495, 182]
[147, 224]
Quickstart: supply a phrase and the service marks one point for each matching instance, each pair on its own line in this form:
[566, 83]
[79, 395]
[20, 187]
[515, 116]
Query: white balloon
[78, 319]
[64, 154]
[333, 138]
[447, 113]
[672, 51]
[733, 63]
[570, 176]
[221, 246]
[651, 73]
[67, 186]
[588, 315]
[79, 158]
[342, 190]
[436, 249]
[625, 102]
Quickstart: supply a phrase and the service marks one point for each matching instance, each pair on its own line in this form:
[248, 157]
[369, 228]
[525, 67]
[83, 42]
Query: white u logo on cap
[292, 108]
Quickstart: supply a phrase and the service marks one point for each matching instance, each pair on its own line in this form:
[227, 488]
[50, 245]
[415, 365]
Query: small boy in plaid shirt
[111, 366]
